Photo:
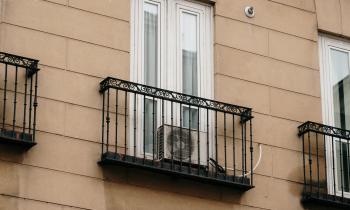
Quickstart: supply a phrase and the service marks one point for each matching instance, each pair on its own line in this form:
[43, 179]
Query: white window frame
[169, 59]
[326, 43]
[137, 36]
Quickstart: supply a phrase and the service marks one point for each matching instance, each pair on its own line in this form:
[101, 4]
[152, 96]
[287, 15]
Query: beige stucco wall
[268, 63]
[334, 16]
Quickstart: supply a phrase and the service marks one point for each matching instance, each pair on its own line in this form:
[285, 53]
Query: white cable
[256, 165]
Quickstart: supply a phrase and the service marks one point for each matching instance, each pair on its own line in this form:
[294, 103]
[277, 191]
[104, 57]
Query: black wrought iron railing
[18, 93]
[326, 164]
[175, 133]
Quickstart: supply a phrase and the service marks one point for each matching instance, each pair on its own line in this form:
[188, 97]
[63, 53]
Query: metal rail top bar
[19, 61]
[323, 129]
[115, 83]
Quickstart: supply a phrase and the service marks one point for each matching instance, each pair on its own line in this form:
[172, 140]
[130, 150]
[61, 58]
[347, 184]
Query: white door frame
[325, 44]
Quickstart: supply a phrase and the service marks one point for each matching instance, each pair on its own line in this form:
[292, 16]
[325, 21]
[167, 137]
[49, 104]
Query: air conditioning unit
[181, 144]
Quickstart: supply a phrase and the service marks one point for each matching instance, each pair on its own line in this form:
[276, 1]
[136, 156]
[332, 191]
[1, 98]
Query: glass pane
[343, 172]
[340, 65]
[150, 120]
[189, 54]
[150, 44]
[341, 85]
[341, 104]
[194, 117]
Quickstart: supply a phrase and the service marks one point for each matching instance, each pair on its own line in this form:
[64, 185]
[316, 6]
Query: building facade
[111, 82]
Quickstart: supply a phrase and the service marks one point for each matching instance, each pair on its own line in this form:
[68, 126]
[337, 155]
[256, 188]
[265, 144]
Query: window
[171, 49]
[335, 77]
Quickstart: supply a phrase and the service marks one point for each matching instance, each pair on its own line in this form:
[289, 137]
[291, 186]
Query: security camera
[249, 11]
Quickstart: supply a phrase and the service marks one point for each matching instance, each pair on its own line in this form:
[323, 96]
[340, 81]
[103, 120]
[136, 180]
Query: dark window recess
[176, 134]
[326, 162]
[18, 96]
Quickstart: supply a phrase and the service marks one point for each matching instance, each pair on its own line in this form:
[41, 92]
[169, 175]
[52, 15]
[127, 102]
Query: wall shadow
[166, 183]
[12, 153]
[10, 175]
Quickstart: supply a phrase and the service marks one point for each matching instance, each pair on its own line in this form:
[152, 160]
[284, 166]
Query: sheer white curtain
[150, 72]
[189, 65]
[189, 54]
[151, 44]
[190, 78]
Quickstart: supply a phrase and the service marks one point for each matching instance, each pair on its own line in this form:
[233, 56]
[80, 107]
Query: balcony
[176, 134]
[18, 96]
[326, 164]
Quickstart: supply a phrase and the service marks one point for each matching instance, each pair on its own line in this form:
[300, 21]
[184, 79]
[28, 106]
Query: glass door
[151, 65]
[340, 74]
[335, 90]
[171, 49]
[192, 74]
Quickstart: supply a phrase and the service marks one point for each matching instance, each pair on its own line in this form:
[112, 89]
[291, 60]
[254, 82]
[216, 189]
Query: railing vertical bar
[318, 166]
[333, 168]
[153, 133]
[325, 160]
[35, 104]
[348, 169]
[207, 142]
[163, 124]
[310, 160]
[304, 159]
[198, 141]
[216, 143]
[180, 136]
[15, 100]
[4, 106]
[103, 121]
[233, 146]
[125, 124]
[341, 168]
[107, 122]
[172, 134]
[31, 105]
[243, 166]
[225, 146]
[189, 139]
[144, 129]
[135, 118]
[251, 151]
[25, 103]
[116, 120]
[245, 148]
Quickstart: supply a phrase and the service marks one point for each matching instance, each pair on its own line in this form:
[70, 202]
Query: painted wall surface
[339, 22]
[268, 63]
